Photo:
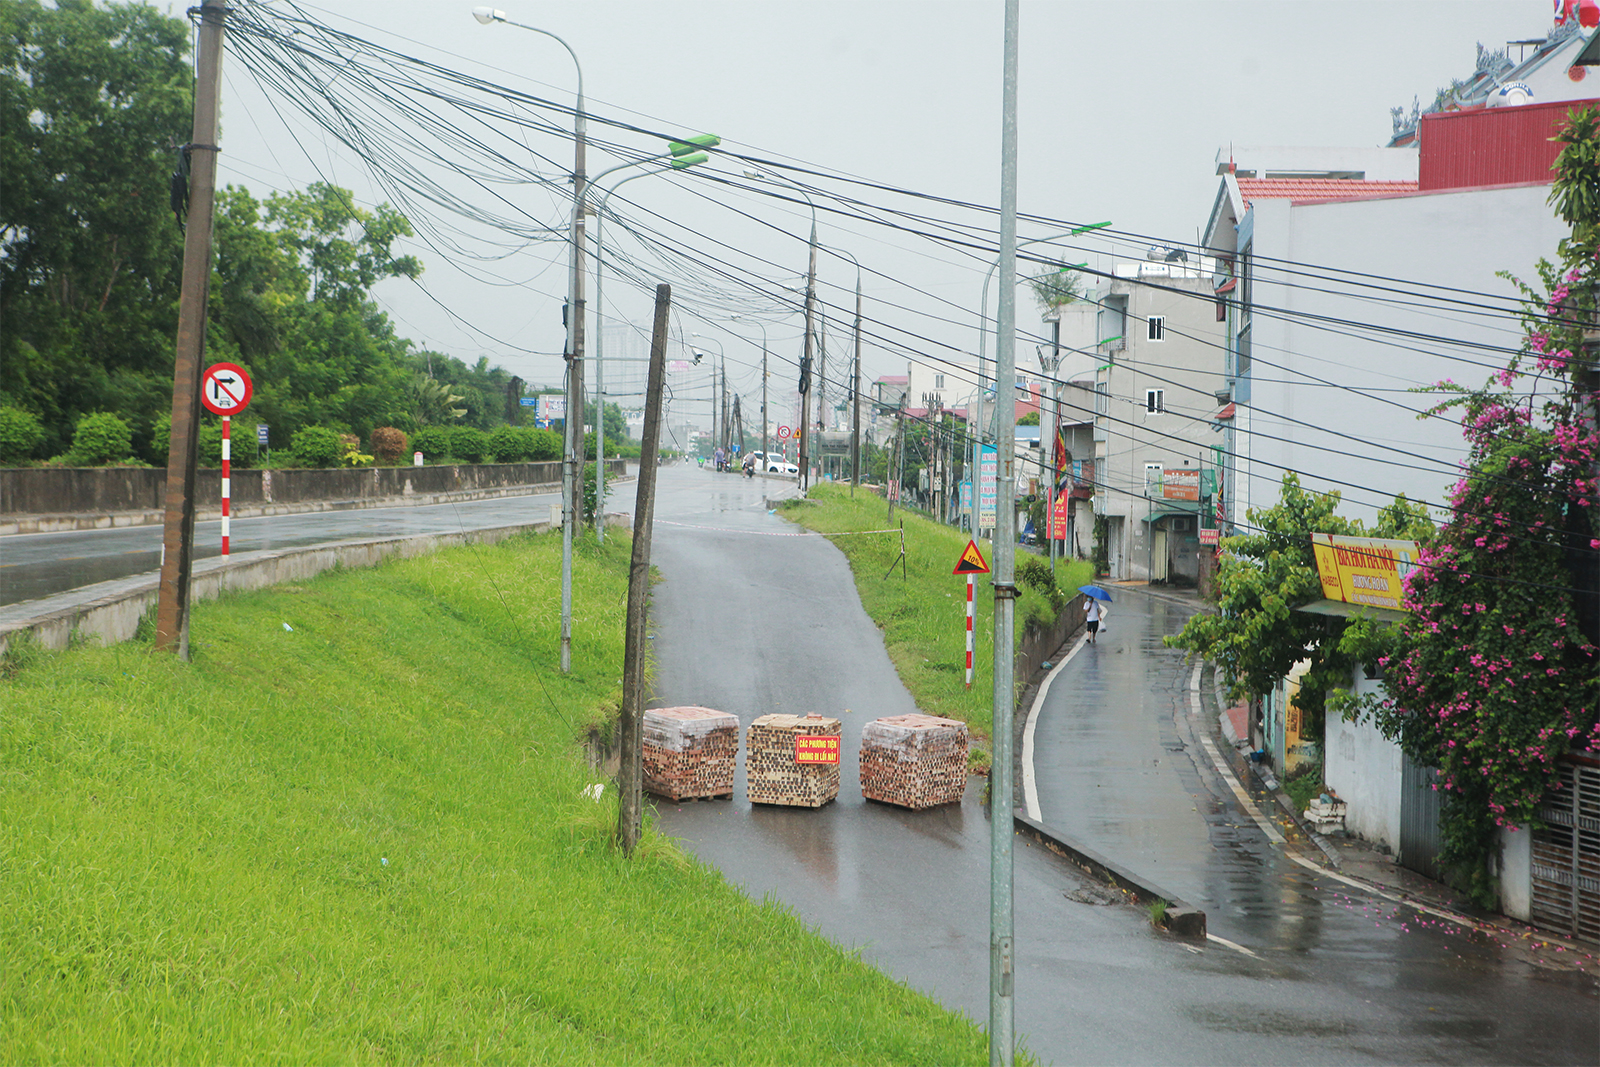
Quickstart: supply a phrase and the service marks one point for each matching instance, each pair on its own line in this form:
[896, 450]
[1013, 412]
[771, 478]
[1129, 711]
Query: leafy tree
[101, 438]
[1258, 636]
[91, 99]
[1056, 287]
[344, 249]
[433, 403]
[616, 422]
[20, 434]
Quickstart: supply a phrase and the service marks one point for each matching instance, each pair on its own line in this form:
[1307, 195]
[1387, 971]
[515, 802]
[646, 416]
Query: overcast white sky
[1123, 109]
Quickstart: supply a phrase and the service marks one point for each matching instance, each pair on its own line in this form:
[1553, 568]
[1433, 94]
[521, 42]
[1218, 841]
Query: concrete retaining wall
[54, 499]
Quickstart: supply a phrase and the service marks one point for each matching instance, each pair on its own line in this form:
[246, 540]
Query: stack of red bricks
[774, 773]
[690, 752]
[915, 761]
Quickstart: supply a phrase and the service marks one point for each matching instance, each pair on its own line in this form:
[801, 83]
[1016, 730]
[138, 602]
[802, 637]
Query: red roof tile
[1312, 189]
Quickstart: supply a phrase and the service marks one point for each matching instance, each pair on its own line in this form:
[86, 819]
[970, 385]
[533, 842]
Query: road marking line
[1227, 776]
[1030, 787]
[1231, 944]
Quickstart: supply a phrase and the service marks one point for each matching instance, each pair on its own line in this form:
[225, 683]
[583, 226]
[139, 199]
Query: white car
[779, 465]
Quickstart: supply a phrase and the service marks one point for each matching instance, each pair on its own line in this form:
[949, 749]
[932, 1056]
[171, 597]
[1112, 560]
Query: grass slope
[923, 614]
[362, 838]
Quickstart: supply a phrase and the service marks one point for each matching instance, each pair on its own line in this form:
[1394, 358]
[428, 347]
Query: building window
[1156, 327]
[1102, 393]
[938, 381]
[1155, 400]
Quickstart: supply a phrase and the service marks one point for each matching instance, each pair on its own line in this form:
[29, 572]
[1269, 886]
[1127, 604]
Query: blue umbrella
[1096, 592]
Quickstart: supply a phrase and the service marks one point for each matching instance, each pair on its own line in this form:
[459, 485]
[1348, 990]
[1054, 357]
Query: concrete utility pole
[177, 542]
[805, 365]
[855, 418]
[1002, 959]
[630, 776]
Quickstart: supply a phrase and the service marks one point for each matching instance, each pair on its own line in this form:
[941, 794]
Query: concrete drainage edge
[1179, 917]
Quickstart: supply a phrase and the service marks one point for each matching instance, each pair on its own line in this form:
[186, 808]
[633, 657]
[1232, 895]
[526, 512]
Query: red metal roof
[1313, 189]
[1491, 146]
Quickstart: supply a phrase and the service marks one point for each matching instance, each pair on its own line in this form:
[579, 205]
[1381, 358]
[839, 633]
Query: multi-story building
[1162, 354]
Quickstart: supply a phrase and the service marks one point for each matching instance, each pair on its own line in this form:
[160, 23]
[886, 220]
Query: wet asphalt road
[40, 565]
[754, 616]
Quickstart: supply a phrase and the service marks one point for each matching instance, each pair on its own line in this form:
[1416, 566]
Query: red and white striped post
[227, 492]
[971, 583]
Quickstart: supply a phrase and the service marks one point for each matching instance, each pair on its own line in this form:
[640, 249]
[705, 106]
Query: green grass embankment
[923, 615]
[362, 837]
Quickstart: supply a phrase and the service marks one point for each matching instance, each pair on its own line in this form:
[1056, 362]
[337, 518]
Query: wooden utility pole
[630, 777]
[177, 542]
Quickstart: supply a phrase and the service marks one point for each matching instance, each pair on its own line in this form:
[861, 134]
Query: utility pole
[630, 777]
[177, 542]
[1002, 959]
[805, 365]
[855, 419]
[765, 455]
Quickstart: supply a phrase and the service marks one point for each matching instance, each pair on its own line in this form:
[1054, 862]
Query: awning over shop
[1171, 509]
[1352, 611]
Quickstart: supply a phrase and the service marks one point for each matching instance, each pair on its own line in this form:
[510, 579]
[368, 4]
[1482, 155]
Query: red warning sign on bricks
[816, 748]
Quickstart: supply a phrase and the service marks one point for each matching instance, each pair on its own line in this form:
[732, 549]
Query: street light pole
[678, 158]
[572, 469]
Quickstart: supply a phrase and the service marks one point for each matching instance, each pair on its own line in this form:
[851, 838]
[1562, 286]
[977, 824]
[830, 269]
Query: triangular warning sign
[971, 561]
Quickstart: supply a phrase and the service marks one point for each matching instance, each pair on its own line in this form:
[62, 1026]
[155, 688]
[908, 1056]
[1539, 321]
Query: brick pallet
[690, 752]
[915, 761]
[772, 773]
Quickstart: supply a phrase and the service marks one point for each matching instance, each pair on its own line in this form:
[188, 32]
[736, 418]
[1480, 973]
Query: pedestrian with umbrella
[1096, 600]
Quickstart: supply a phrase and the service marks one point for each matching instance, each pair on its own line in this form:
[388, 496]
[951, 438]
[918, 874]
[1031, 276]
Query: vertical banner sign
[1058, 518]
[988, 475]
[225, 389]
[966, 499]
[970, 564]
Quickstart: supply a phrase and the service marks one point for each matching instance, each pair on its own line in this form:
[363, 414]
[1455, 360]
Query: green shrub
[316, 446]
[20, 434]
[508, 444]
[390, 446]
[469, 443]
[101, 438]
[433, 442]
[1035, 573]
[543, 445]
[589, 504]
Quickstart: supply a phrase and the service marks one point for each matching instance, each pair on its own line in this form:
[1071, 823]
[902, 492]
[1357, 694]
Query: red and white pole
[227, 463]
[970, 586]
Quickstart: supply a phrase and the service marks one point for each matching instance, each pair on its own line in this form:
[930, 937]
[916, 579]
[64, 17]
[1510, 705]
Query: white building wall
[1363, 767]
[1327, 396]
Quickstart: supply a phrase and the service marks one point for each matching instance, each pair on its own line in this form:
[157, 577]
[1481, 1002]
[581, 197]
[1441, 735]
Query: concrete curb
[1180, 917]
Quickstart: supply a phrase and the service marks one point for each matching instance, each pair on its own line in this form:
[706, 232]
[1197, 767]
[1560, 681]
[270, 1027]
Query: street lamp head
[486, 15]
